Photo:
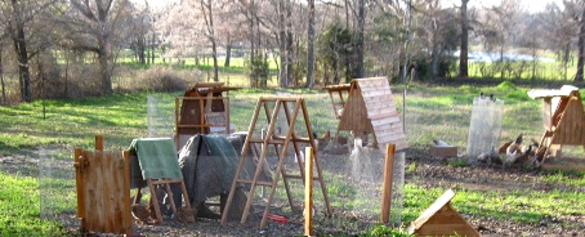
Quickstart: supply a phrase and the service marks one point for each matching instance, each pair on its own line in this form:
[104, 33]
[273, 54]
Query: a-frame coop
[272, 107]
[563, 116]
[441, 219]
[370, 109]
[202, 110]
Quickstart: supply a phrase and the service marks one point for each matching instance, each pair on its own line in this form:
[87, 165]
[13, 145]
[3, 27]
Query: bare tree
[207, 10]
[93, 26]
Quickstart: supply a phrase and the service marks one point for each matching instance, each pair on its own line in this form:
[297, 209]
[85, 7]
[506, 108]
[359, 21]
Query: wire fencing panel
[485, 126]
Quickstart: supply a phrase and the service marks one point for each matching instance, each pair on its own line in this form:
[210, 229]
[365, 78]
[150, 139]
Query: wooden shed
[370, 109]
[441, 219]
[563, 117]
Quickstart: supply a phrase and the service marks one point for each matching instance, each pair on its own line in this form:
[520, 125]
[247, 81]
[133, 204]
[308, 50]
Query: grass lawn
[432, 112]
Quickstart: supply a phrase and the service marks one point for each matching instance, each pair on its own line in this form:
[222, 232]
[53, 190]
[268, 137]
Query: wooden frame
[272, 106]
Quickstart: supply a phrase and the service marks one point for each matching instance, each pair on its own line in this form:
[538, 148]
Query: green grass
[19, 208]
[442, 112]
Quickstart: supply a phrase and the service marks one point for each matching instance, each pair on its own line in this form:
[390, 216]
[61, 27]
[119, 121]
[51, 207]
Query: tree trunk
[23, 69]
[463, 68]
[228, 51]
[141, 49]
[360, 46]
[311, 44]
[2, 85]
[289, 44]
[581, 46]
[282, 46]
[106, 80]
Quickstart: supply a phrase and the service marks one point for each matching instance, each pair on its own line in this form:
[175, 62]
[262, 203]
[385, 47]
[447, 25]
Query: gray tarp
[209, 164]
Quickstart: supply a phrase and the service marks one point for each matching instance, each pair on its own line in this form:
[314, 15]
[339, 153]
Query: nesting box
[441, 219]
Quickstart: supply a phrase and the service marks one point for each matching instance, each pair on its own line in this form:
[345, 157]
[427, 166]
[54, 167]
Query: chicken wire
[160, 117]
[57, 188]
[485, 126]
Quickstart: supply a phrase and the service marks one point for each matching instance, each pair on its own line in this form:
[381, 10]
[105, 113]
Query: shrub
[159, 79]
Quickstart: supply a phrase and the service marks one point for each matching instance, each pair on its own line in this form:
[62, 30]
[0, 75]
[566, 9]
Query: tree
[25, 23]
[206, 9]
[97, 26]
[581, 44]
[464, 48]
[311, 43]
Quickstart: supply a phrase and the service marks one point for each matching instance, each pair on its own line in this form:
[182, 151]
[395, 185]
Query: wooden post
[308, 191]
[79, 166]
[99, 142]
[387, 186]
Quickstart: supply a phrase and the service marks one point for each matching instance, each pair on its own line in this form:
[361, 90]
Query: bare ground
[431, 172]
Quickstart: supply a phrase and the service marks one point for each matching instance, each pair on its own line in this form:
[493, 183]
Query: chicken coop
[370, 109]
[563, 118]
[202, 110]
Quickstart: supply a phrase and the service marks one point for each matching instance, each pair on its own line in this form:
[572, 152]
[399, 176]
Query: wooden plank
[154, 200]
[387, 185]
[308, 213]
[127, 214]
[99, 142]
[108, 195]
[79, 182]
[98, 199]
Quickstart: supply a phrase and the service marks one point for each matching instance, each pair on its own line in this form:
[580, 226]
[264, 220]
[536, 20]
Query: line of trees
[47, 44]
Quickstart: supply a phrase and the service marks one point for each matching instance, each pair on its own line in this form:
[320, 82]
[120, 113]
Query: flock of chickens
[514, 153]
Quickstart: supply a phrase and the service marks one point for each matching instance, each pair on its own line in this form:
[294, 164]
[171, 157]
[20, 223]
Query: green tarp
[157, 158]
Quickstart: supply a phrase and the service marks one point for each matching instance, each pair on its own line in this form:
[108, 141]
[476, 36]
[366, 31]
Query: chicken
[491, 156]
[518, 156]
[441, 143]
[515, 147]
[327, 135]
[504, 147]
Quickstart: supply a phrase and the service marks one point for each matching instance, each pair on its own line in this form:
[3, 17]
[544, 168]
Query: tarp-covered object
[208, 163]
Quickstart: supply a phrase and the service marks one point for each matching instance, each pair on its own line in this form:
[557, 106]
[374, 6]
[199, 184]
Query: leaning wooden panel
[441, 219]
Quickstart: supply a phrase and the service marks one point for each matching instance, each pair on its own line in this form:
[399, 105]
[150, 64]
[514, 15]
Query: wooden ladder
[281, 144]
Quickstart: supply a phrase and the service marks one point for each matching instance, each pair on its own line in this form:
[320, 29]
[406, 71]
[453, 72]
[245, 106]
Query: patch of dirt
[430, 172]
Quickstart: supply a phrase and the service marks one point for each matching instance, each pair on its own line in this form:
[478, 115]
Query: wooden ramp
[370, 109]
[281, 139]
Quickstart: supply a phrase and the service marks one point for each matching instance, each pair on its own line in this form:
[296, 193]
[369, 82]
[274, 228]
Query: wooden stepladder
[281, 143]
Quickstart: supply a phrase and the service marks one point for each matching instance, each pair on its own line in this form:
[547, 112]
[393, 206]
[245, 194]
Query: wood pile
[515, 153]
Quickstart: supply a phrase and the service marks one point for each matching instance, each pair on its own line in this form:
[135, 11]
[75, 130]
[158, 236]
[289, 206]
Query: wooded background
[75, 48]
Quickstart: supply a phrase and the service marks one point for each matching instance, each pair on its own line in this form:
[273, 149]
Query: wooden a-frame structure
[441, 219]
[272, 107]
[370, 109]
[563, 117]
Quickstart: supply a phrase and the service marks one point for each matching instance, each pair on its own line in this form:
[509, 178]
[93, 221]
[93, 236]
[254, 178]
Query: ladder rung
[258, 140]
[296, 139]
[261, 183]
[298, 177]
